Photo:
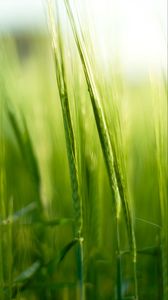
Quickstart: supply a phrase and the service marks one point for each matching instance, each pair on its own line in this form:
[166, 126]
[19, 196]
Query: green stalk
[162, 181]
[127, 213]
[2, 196]
[9, 247]
[114, 179]
[70, 140]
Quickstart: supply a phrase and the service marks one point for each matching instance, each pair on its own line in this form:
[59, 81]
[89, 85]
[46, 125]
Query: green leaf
[25, 144]
[28, 273]
[57, 222]
[148, 222]
[52, 264]
[155, 250]
[20, 213]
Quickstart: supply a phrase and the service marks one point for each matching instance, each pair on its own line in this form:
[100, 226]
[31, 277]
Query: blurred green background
[36, 211]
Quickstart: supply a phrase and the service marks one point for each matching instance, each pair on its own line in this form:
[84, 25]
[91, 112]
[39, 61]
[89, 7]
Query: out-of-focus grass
[37, 245]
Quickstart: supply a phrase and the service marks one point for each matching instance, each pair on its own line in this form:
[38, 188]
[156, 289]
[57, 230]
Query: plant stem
[70, 141]
[106, 144]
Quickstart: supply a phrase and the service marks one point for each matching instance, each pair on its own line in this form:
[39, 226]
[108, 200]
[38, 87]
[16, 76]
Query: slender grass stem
[70, 140]
[162, 178]
[114, 176]
[2, 196]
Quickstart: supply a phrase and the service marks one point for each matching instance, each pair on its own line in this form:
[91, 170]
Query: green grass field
[83, 172]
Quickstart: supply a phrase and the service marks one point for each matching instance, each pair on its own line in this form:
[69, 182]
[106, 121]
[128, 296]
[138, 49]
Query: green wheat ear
[113, 170]
[70, 137]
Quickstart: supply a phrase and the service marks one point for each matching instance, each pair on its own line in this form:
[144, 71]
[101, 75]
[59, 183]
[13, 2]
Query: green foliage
[83, 173]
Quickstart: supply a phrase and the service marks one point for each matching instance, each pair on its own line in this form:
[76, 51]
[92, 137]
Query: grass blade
[52, 264]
